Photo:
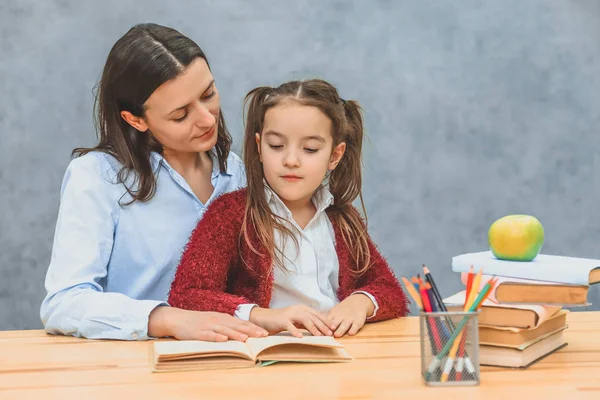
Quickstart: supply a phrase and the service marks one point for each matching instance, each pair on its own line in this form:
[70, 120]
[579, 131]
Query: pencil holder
[449, 348]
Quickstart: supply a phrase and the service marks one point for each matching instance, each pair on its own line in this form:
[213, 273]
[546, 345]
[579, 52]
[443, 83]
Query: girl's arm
[200, 282]
[381, 283]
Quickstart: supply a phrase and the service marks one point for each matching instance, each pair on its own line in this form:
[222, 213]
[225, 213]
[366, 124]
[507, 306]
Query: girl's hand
[276, 320]
[350, 315]
[200, 325]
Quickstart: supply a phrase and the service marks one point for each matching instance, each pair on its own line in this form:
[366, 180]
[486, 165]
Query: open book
[187, 355]
[523, 316]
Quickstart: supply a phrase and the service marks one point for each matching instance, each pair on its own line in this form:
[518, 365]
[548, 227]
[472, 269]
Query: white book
[549, 268]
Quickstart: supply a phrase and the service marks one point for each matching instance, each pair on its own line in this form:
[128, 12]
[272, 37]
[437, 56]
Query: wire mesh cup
[449, 348]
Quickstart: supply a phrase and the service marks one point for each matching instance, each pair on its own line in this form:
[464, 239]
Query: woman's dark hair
[147, 56]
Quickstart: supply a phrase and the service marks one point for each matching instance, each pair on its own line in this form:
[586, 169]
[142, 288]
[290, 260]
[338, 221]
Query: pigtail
[256, 203]
[345, 183]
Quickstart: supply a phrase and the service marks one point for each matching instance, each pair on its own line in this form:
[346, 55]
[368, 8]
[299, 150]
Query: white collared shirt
[311, 268]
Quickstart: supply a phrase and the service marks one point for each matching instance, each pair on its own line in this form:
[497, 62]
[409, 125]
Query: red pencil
[427, 307]
[461, 358]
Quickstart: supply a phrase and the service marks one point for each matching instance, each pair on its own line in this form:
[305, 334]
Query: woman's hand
[350, 315]
[276, 320]
[200, 325]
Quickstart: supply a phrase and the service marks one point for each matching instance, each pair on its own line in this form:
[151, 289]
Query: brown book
[520, 338]
[186, 355]
[517, 316]
[518, 292]
[526, 291]
[515, 358]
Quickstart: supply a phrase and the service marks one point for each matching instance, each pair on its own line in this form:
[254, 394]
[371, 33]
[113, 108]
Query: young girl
[290, 251]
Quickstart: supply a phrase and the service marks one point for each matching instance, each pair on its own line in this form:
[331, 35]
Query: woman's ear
[336, 155]
[257, 137]
[137, 122]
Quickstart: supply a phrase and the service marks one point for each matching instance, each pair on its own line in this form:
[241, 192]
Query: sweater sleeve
[200, 282]
[379, 281]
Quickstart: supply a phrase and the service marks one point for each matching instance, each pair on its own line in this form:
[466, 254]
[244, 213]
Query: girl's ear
[137, 122]
[336, 155]
[257, 137]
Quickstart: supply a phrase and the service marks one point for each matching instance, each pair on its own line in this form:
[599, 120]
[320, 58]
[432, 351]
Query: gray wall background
[474, 110]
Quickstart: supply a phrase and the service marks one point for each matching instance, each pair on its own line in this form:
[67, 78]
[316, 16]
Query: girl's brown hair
[345, 181]
[147, 56]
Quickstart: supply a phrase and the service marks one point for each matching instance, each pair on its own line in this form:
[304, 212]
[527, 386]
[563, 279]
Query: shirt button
[134, 336]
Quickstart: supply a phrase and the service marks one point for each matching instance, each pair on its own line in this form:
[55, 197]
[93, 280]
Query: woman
[129, 204]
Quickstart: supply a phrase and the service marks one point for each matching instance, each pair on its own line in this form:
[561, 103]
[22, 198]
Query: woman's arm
[75, 303]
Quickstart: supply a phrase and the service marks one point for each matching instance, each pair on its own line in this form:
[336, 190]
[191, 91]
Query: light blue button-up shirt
[111, 265]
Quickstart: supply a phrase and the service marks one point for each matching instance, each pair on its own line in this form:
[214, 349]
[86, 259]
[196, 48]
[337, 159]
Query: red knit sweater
[212, 277]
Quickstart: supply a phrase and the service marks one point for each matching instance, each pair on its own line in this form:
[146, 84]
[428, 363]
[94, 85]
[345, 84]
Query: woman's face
[183, 113]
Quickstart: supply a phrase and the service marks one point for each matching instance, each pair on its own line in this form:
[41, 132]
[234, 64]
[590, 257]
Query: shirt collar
[322, 198]
[156, 159]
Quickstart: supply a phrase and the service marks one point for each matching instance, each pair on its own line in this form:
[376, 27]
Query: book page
[186, 349]
[517, 330]
[568, 270]
[303, 353]
[257, 345]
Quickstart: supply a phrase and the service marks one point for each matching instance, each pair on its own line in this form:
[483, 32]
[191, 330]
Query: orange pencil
[474, 290]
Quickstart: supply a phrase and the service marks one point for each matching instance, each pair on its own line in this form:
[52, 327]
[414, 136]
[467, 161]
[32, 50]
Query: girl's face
[183, 113]
[296, 150]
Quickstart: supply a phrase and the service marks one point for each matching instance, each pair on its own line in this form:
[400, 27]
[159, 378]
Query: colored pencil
[474, 290]
[480, 299]
[429, 278]
[438, 358]
[417, 299]
[413, 293]
[427, 307]
[469, 283]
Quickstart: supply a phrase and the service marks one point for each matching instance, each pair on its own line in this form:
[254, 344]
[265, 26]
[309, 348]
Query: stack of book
[523, 320]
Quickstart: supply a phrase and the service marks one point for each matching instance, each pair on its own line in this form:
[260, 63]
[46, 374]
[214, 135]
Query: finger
[322, 317]
[343, 328]
[247, 328]
[321, 326]
[356, 325]
[210, 336]
[335, 322]
[231, 333]
[307, 321]
[293, 330]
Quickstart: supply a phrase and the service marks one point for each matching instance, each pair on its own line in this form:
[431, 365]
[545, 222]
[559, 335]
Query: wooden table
[34, 365]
